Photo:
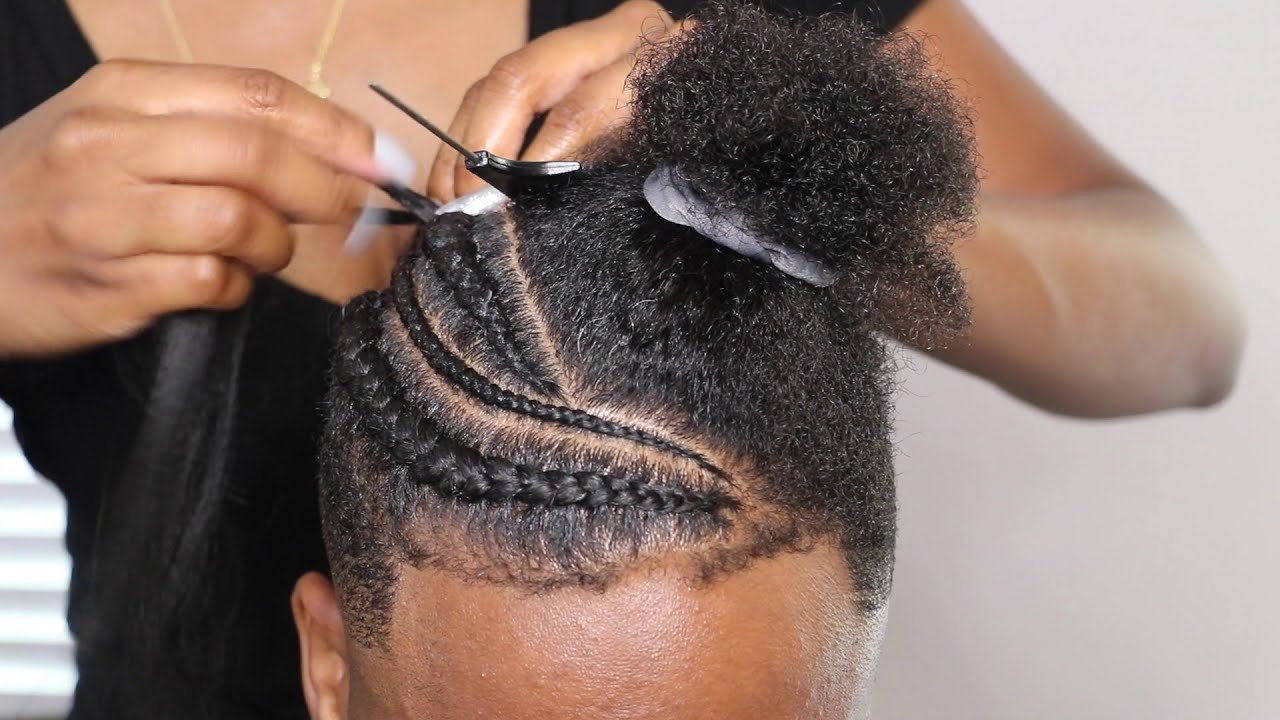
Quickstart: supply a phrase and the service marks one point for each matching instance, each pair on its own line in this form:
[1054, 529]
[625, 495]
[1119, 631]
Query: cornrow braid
[455, 257]
[404, 292]
[424, 454]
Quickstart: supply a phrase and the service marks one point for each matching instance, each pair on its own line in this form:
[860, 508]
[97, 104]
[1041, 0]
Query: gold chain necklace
[315, 71]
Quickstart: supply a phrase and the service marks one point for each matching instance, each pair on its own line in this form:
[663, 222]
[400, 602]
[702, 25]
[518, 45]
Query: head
[581, 461]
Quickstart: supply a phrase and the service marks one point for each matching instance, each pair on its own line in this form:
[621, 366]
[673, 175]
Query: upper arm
[1028, 145]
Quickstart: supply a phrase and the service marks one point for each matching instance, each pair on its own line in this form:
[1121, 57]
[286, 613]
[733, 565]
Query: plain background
[1059, 569]
[1056, 569]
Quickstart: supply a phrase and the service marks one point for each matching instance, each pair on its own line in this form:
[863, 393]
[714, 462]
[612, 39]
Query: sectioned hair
[554, 393]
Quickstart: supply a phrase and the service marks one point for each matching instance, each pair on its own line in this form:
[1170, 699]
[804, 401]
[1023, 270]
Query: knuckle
[511, 75]
[570, 119]
[112, 73]
[339, 130]
[473, 93]
[472, 96]
[205, 279]
[74, 133]
[263, 91]
[328, 126]
[71, 227]
[257, 151]
[227, 220]
[235, 288]
[280, 252]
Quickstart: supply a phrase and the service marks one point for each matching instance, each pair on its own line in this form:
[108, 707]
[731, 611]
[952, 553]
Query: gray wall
[1057, 569]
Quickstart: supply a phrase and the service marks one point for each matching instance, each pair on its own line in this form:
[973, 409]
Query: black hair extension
[160, 524]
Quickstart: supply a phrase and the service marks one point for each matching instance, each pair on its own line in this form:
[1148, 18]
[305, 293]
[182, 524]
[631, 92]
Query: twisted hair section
[405, 294]
[421, 448]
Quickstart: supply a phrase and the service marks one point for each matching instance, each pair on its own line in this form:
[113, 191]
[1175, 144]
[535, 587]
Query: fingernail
[392, 159]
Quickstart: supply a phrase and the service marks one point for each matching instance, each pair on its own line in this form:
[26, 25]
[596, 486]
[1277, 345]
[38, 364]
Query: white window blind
[37, 674]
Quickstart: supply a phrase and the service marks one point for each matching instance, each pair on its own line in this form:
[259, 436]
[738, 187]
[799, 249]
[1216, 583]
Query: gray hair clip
[676, 201]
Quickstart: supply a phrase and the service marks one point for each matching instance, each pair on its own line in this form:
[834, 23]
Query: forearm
[1097, 304]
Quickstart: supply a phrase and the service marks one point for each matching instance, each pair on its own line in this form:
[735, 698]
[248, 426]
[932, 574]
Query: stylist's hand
[577, 75]
[149, 188]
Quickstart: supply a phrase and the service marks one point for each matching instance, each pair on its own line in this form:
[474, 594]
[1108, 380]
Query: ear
[323, 641]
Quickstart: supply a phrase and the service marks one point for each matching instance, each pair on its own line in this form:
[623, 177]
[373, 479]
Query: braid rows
[426, 455]
[456, 260]
[404, 293]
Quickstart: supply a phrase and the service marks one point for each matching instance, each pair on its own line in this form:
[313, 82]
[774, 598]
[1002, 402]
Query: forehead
[782, 638]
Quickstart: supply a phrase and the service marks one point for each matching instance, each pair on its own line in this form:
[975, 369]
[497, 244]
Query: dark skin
[780, 639]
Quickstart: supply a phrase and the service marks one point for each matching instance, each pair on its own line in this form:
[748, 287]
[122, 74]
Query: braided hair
[550, 393]
[426, 455]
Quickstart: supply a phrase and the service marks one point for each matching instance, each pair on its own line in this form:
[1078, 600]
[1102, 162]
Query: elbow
[1200, 366]
[1219, 367]
[1223, 330]
[1216, 328]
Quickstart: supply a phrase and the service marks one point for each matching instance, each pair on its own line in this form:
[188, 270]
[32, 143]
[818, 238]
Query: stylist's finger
[251, 157]
[184, 219]
[498, 110]
[131, 293]
[600, 103]
[144, 287]
[149, 88]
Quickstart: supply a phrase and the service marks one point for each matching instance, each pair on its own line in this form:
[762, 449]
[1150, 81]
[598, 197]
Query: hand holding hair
[148, 188]
[576, 76]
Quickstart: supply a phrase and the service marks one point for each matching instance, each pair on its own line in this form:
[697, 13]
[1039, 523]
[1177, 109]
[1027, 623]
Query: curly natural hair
[549, 394]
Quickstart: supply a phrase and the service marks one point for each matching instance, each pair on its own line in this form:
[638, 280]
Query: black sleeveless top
[76, 416]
